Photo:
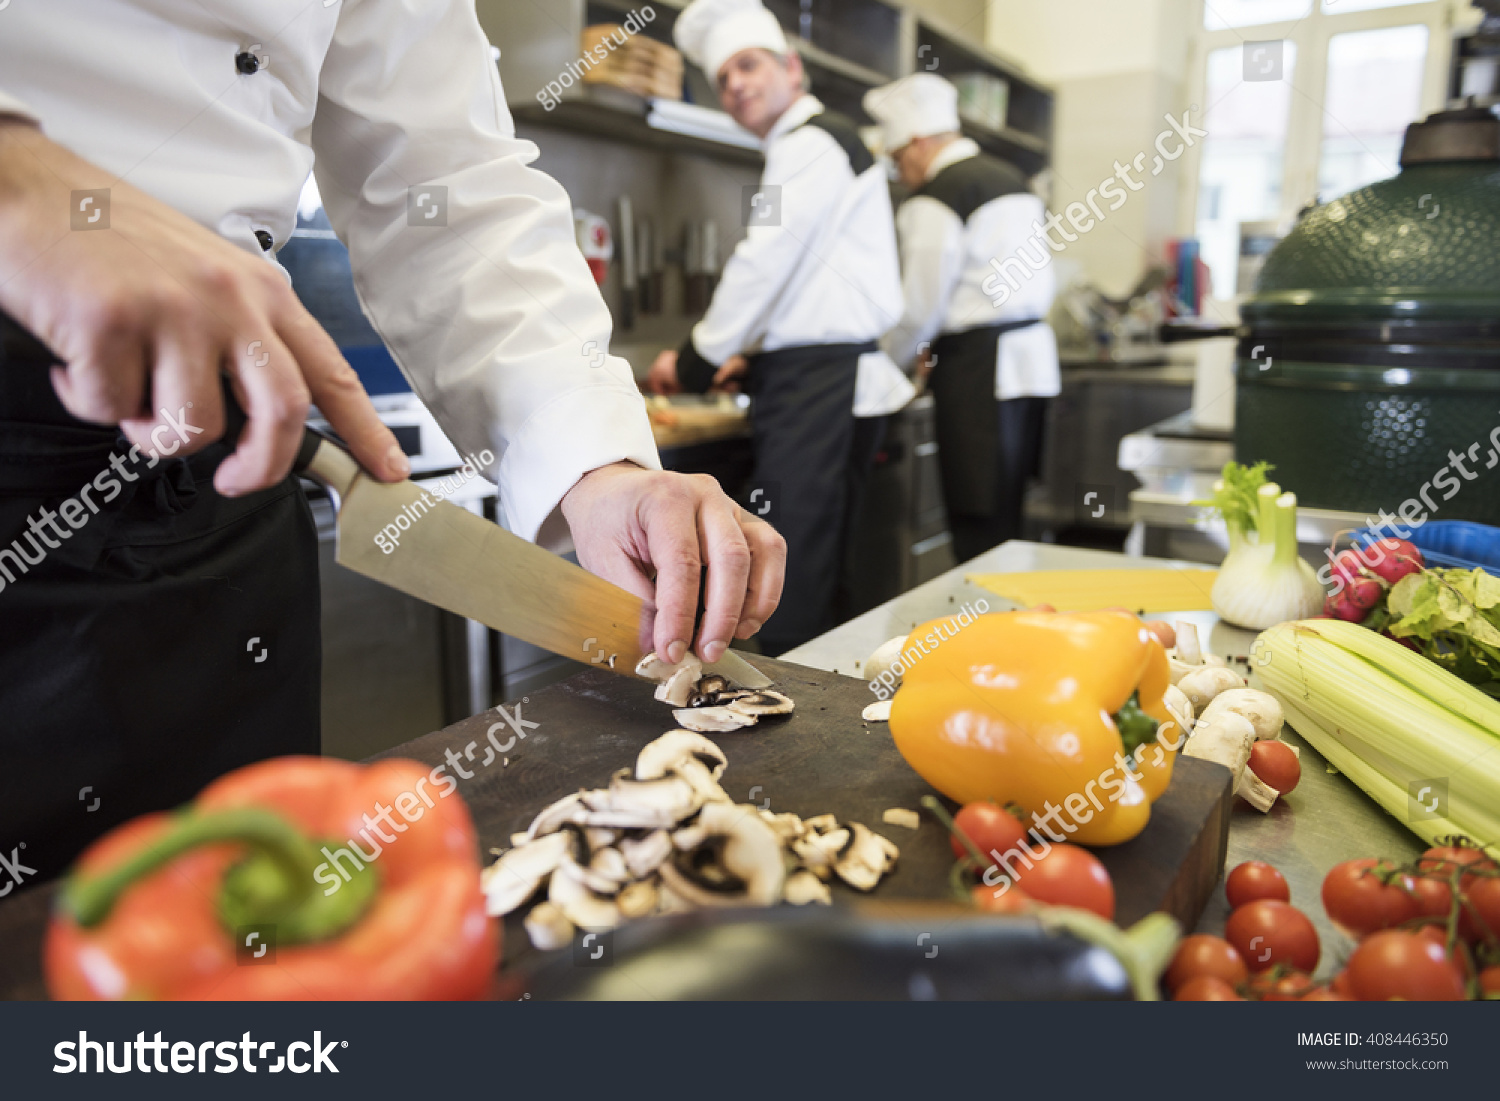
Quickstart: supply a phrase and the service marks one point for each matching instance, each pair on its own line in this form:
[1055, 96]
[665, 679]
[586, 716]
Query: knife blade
[449, 557]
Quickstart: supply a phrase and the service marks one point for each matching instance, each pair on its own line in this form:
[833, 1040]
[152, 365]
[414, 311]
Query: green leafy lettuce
[1454, 618]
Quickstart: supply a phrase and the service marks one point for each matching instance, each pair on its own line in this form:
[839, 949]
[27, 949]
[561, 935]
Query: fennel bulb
[1263, 581]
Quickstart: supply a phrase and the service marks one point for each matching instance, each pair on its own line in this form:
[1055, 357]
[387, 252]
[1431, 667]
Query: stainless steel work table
[1324, 821]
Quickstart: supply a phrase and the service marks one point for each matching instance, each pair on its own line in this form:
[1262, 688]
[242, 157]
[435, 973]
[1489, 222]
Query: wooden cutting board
[822, 759]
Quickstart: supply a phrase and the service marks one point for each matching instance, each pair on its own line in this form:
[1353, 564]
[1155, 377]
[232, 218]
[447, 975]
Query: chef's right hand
[662, 378]
[154, 307]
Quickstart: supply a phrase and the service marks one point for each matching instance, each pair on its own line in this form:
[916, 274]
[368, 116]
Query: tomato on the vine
[1067, 875]
[1289, 986]
[1325, 994]
[1276, 763]
[1252, 880]
[1480, 918]
[993, 900]
[1489, 982]
[1357, 896]
[1206, 988]
[989, 826]
[1201, 954]
[1397, 964]
[1443, 859]
[1268, 931]
[1433, 896]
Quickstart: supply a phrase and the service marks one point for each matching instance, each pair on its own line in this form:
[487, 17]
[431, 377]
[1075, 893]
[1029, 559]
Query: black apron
[987, 449]
[171, 636]
[803, 420]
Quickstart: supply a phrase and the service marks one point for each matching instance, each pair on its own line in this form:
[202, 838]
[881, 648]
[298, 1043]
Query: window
[1374, 89]
[1219, 15]
[1302, 99]
[1239, 179]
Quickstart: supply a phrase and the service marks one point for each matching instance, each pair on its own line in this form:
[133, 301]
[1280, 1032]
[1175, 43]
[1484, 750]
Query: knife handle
[322, 459]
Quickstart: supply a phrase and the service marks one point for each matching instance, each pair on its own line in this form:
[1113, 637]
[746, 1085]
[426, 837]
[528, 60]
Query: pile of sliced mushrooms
[1230, 717]
[665, 837]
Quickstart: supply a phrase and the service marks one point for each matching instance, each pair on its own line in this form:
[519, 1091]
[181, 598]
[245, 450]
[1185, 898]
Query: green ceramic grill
[1369, 363]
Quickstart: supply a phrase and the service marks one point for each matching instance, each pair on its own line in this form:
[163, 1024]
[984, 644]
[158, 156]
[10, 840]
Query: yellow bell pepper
[1020, 708]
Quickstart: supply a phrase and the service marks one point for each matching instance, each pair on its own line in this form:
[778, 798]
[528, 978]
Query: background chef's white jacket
[489, 317]
[828, 274]
[945, 263]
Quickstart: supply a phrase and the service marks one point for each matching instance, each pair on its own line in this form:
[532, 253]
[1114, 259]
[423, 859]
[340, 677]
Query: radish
[1391, 559]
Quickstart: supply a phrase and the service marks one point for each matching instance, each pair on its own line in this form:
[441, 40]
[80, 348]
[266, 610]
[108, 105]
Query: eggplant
[822, 953]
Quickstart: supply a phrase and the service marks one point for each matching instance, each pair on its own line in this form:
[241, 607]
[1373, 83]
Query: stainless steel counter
[1324, 821]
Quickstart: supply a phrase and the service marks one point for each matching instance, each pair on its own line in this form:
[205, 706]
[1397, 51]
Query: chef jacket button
[265, 239]
[246, 62]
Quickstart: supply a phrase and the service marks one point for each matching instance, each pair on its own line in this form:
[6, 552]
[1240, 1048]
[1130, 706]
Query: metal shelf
[621, 116]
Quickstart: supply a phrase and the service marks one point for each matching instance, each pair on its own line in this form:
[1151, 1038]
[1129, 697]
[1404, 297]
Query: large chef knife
[410, 539]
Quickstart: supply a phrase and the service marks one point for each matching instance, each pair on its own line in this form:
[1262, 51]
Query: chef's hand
[153, 308]
[727, 377]
[652, 531]
[662, 378]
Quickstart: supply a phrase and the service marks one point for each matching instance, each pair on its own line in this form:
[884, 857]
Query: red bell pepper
[162, 907]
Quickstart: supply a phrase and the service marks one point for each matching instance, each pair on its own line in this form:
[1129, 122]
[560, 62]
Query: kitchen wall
[1118, 67]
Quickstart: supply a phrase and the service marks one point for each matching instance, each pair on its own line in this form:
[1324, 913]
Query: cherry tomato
[989, 826]
[1252, 880]
[1275, 763]
[1206, 988]
[1357, 898]
[1441, 860]
[1324, 994]
[1164, 633]
[1268, 931]
[1434, 897]
[1339, 984]
[1291, 986]
[1067, 875]
[1012, 900]
[1202, 954]
[1489, 982]
[1397, 964]
[1480, 919]
[1438, 935]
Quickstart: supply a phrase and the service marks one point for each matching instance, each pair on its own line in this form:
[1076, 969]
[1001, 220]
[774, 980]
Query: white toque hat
[915, 106]
[710, 32]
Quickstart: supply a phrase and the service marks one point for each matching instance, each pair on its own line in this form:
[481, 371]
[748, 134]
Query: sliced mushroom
[762, 703]
[654, 668]
[1189, 652]
[746, 865]
[713, 720]
[821, 823]
[644, 856]
[679, 686]
[877, 712]
[570, 808]
[803, 887]
[548, 927]
[900, 816]
[576, 863]
[580, 905]
[669, 901]
[788, 826]
[611, 864]
[711, 684]
[515, 877]
[657, 758]
[820, 850]
[600, 838]
[689, 837]
[665, 801]
[637, 900]
[865, 860]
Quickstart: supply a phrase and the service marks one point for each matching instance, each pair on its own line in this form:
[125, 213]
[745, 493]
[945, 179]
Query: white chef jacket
[827, 274]
[494, 319]
[945, 263]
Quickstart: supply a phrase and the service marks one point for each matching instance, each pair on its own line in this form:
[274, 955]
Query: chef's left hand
[651, 532]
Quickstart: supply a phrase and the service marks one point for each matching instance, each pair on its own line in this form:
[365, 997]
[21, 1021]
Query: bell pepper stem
[274, 885]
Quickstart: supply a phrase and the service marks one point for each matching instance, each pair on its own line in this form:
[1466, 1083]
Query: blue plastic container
[1454, 544]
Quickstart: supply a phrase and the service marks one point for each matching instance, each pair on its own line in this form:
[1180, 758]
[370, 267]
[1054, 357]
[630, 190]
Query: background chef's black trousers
[170, 637]
[987, 449]
[804, 433]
